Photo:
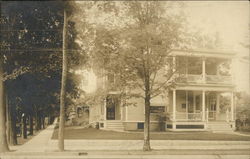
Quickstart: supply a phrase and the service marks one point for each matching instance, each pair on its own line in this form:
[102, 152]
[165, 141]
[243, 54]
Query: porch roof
[205, 87]
[204, 53]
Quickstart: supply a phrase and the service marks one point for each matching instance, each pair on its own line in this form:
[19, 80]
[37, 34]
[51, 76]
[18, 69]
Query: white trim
[104, 110]
[232, 106]
[203, 105]
[203, 70]
[174, 105]
[126, 112]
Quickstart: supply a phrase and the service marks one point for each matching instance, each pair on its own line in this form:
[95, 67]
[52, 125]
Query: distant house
[203, 98]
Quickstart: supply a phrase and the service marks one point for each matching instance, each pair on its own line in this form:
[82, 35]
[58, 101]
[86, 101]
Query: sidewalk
[123, 145]
[43, 143]
[38, 143]
[43, 147]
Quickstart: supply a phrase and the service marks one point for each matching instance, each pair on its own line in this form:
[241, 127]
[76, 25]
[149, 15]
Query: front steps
[114, 125]
[219, 126]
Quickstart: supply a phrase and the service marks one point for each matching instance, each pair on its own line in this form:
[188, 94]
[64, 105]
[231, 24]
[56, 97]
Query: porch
[194, 109]
[112, 113]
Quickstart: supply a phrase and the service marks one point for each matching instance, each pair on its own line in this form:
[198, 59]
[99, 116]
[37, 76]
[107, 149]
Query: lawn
[91, 133]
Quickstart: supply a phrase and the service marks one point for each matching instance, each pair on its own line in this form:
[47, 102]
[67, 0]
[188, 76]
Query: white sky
[231, 20]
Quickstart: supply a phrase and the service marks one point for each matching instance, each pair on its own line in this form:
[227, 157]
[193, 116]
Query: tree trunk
[24, 126]
[36, 120]
[146, 145]
[3, 136]
[63, 86]
[31, 124]
[43, 124]
[8, 120]
[13, 131]
[39, 124]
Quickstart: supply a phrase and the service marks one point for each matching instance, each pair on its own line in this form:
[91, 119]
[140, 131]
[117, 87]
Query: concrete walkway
[38, 143]
[43, 143]
[43, 147]
[75, 145]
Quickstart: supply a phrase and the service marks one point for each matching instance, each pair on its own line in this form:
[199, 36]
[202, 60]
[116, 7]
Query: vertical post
[203, 105]
[174, 104]
[63, 84]
[187, 105]
[227, 115]
[121, 111]
[194, 102]
[232, 106]
[105, 109]
[217, 104]
[203, 70]
[126, 112]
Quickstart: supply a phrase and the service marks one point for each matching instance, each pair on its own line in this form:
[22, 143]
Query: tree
[3, 136]
[63, 86]
[138, 53]
[31, 43]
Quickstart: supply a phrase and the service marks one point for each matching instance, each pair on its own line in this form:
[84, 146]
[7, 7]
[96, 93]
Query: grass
[91, 133]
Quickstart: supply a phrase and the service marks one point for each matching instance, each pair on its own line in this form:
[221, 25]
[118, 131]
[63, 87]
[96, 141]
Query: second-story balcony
[203, 71]
[208, 79]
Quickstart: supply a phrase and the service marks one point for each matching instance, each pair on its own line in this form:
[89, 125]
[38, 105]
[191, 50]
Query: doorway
[110, 113]
[113, 107]
[211, 106]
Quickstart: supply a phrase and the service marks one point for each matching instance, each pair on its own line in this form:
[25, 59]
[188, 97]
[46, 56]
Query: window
[157, 109]
[140, 125]
[183, 106]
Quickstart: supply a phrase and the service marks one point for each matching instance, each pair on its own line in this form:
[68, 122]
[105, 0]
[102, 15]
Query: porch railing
[209, 115]
[183, 116]
[208, 79]
[218, 79]
[194, 78]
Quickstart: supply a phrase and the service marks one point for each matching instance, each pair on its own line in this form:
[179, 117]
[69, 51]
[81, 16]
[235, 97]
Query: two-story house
[202, 99]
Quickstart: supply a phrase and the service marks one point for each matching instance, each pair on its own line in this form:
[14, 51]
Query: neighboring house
[197, 102]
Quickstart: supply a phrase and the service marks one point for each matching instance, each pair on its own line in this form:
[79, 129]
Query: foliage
[31, 42]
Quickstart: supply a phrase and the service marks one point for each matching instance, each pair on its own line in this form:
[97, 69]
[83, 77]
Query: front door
[111, 113]
[212, 107]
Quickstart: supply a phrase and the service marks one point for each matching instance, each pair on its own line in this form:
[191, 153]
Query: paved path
[38, 143]
[43, 147]
[43, 143]
[155, 144]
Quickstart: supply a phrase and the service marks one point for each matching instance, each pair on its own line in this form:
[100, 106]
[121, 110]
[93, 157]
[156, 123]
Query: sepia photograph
[124, 79]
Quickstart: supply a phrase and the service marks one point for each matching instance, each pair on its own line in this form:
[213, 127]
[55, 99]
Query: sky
[231, 20]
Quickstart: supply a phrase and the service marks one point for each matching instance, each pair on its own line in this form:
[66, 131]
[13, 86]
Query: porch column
[203, 105]
[232, 106]
[174, 104]
[105, 109]
[194, 102]
[121, 111]
[217, 104]
[203, 70]
[174, 64]
[126, 112]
